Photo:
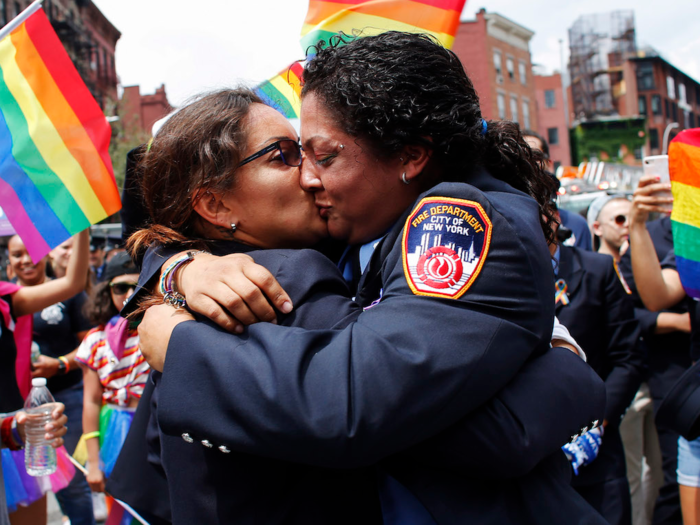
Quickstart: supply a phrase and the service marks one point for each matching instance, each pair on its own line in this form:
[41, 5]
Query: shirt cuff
[561, 332]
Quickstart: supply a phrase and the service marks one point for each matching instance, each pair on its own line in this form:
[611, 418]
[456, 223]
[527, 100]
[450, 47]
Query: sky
[198, 46]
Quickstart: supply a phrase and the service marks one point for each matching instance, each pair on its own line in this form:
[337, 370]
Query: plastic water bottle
[39, 455]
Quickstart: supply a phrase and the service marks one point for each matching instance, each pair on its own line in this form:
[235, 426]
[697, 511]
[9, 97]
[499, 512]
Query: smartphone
[657, 165]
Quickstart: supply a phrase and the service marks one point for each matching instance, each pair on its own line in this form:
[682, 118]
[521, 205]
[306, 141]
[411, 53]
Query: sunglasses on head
[290, 152]
[122, 288]
[620, 220]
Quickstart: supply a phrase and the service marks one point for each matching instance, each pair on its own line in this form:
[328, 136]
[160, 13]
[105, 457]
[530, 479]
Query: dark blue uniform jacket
[396, 387]
[600, 316]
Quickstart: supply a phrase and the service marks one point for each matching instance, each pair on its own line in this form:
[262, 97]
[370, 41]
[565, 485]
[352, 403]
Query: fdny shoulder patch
[445, 242]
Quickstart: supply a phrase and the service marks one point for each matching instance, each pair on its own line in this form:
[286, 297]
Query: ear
[213, 209]
[415, 158]
[596, 228]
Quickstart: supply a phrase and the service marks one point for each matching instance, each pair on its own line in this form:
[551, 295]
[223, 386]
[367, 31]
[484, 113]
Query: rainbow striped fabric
[56, 177]
[325, 18]
[684, 167]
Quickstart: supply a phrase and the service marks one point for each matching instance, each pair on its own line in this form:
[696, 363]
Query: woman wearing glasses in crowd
[417, 360]
[114, 371]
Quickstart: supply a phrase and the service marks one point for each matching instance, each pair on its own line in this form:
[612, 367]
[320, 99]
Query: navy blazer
[600, 316]
[408, 368]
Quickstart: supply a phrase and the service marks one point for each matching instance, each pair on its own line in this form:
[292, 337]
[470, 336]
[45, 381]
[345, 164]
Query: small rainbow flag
[56, 177]
[684, 167]
[325, 18]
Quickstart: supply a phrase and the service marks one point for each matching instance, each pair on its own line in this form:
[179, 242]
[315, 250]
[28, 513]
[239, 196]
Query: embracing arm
[406, 369]
[30, 299]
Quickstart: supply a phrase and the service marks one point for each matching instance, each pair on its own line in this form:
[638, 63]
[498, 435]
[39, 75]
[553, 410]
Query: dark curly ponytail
[399, 89]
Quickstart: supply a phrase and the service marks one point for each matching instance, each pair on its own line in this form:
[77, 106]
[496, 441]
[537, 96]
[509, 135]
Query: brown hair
[99, 308]
[197, 150]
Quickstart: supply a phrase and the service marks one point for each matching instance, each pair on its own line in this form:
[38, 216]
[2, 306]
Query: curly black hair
[397, 89]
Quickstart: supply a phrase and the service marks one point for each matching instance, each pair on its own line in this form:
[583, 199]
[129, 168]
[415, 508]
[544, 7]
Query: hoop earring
[233, 226]
[403, 178]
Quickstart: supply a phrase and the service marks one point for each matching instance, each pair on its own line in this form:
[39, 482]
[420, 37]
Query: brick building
[551, 117]
[495, 52]
[662, 93]
[144, 110]
[89, 38]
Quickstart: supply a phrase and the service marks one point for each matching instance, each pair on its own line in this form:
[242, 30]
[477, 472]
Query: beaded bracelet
[170, 295]
[65, 361]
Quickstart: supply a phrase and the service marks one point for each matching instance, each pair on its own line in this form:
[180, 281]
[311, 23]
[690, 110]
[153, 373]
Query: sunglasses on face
[620, 220]
[290, 152]
[122, 288]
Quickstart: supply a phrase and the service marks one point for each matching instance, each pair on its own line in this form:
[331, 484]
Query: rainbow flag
[684, 167]
[439, 18]
[56, 177]
[283, 91]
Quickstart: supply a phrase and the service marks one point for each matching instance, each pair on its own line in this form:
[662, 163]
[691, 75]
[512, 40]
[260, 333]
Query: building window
[526, 114]
[501, 106]
[510, 66]
[656, 104]
[642, 100]
[497, 62]
[3, 21]
[553, 136]
[682, 94]
[674, 111]
[671, 87]
[18, 9]
[645, 76]
[514, 109]
[522, 69]
[667, 106]
[686, 120]
[549, 98]
[654, 138]
[692, 119]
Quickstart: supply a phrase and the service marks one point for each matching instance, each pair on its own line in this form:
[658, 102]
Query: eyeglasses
[122, 288]
[290, 152]
[620, 220]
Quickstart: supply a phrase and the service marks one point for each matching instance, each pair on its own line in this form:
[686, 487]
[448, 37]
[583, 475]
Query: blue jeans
[76, 499]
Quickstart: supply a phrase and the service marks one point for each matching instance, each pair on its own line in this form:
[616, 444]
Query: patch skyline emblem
[445, 242]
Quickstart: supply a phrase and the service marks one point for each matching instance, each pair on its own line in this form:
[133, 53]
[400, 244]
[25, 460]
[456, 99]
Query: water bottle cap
[39, 381]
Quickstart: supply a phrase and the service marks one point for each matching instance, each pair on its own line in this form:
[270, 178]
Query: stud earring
[233, 226]
[403, 178]
[342, 146]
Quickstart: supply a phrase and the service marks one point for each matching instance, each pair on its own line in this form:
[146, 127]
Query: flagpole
[127, 507]
[20, 18]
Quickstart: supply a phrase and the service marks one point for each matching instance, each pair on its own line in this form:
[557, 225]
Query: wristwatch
[62, 368]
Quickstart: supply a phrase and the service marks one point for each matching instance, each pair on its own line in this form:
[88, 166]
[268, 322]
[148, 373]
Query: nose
[308, 178]
[26, 259]
[129, 293]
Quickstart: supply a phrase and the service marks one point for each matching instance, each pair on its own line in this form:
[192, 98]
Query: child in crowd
[114, 371]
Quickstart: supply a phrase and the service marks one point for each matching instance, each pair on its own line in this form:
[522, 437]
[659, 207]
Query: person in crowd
[60, 256]
[592, 302]
[607, 219]
[328, 405]
[580, 233]
[667, 341]
[17, 304]
[57, 331]
[659, 287]
[114, 371]
[13, 437]
[97, 259]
